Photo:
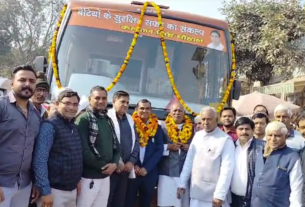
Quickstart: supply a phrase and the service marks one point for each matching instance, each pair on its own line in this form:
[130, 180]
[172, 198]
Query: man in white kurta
[210, 164]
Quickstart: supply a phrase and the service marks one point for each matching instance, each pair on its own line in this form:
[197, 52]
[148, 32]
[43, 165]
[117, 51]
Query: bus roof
[135, 8]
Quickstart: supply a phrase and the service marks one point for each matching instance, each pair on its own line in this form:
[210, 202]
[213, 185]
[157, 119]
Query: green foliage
[27, 27]
[269, 36]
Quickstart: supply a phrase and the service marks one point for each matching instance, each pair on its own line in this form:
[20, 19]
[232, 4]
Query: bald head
[177, 112]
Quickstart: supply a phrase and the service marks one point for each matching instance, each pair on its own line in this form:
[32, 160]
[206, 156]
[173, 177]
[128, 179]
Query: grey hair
[197, 119]
[209, 108]
[285, 108]
[276, 125]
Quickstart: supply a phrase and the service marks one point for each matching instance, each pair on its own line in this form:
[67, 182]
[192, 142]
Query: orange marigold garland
[145, 131]
[176, 135]
[130, 51]
[53, 47]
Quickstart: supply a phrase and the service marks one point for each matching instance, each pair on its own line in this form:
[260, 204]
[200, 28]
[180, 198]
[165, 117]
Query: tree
[29, 26]
[269, 36]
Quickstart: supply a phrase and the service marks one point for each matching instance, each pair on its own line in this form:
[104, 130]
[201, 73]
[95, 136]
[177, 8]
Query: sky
[209, 8]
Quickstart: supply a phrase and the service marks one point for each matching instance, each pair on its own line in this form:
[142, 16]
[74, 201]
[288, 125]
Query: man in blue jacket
[151, 138]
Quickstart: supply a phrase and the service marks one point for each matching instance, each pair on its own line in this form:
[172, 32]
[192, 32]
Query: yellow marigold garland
[145, 131]
[130, 51]
[52, 53]
[176, 135]
[53, 47]
[232, 78]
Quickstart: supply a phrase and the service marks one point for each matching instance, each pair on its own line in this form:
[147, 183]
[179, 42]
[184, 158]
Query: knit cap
[42, 81]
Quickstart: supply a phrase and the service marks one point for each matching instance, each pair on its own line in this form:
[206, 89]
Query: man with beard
[209, 164]
[100, 150]
[179, 131]
[58, 160]
[19, 126]
[129, 148]
[227, 118]
[151, 139]
[247, 147]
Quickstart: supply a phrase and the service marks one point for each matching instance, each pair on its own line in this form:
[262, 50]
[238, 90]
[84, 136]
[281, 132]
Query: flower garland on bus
[145, 131]
[176, 135]
[129, 54]
[232, 78]
[52, 53]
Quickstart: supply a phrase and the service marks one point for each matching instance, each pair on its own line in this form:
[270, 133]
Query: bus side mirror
[236, 89]
[40, 63]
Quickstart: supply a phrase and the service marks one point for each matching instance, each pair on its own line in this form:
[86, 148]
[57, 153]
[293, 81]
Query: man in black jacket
[58, 160]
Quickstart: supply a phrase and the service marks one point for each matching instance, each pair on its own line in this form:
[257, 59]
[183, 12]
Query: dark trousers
[142, 187]
[239, 201]
[118, 188]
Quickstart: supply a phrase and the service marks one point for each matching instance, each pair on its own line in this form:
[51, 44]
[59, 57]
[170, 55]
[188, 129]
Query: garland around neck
[145, 131]
[179, 136]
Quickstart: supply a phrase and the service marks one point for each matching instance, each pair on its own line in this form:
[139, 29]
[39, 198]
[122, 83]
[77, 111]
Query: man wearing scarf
[101, 152]
[179, 131]
[129, 148]
[278, 175]
[151, 138]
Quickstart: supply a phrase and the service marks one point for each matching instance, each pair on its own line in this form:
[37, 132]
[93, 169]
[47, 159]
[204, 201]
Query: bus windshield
[92, 52]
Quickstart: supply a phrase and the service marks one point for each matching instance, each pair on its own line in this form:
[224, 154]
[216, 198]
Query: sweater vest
[65, 159]
[271, 184]
[172, 164]
[207, 163]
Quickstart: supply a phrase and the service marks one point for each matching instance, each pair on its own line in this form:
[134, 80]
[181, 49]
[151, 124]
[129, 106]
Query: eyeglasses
[70, 104]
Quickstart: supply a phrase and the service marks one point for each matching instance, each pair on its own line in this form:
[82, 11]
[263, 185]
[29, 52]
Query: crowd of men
[68, 156]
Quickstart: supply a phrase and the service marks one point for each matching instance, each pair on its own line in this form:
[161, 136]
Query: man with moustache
[19, 126]
[58, 160]
[151, 139]
[227, 118]
[246, 149]
[209, 164]
[101, 151]
[129, 148]
[40, 94]
[278, 174]
[283, 113]
[179, 132]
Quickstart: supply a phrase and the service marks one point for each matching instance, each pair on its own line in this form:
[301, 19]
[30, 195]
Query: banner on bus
[122, 21]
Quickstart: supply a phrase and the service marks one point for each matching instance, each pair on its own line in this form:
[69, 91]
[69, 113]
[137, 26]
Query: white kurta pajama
[210, 163]
[167, 188]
